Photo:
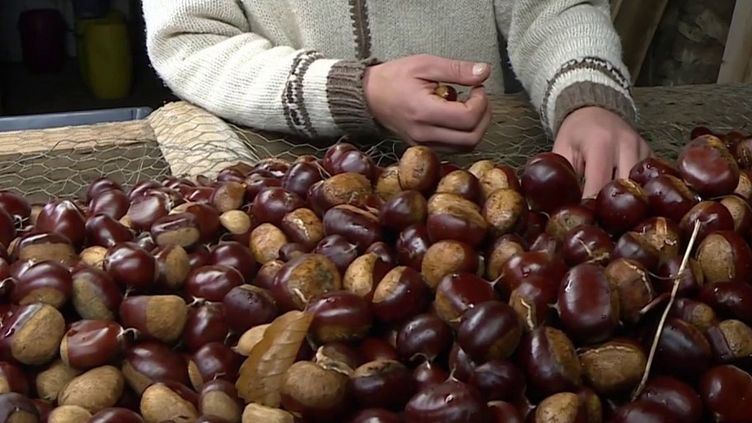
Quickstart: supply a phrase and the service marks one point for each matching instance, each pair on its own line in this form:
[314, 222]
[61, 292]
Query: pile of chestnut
[334, 290]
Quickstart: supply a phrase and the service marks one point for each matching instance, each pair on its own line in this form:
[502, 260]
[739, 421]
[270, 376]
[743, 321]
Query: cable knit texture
[296, 66]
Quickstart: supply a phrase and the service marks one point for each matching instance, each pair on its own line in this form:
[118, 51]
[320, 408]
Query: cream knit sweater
[296, 66]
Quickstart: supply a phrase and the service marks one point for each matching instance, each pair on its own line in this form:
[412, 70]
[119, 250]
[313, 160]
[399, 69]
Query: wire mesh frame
[180, 139]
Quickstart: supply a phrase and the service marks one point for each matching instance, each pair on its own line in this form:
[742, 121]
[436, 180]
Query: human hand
[600, 145]
[400, 95]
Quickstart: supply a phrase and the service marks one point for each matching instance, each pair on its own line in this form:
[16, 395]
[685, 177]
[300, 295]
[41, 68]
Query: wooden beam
[636, 22]
[736, 56]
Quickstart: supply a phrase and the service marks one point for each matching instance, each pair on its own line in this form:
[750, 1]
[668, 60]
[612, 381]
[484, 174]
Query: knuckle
[416, 134]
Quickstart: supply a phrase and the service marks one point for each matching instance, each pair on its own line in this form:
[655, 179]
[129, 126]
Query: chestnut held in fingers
[303, 279]
[92, 343]
[550, 361]
[490, 330]
[588, 304]
[424, 337]
[708, 167]
[339, 316]
[670, 197]
[550, 182]
[448, 402]
[131, 265]
[31, 334]
[452, 217]
[683, 402]
[651, 168]
[498, 380]
[448, 257]
[725, 256]
[45, 282]
[400, 294]
[419, 169]
[382, 384]
[161, 317]
[459, 292]
[726, 391]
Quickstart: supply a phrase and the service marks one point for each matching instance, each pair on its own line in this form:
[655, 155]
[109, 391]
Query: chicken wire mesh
[183, 140]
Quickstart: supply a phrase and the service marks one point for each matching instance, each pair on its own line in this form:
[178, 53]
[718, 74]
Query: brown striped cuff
[584, 94]
[347, 101]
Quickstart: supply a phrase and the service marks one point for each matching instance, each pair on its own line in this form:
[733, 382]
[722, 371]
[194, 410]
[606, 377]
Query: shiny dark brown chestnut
[533, 299]
[131, 265]
[682, 401]
[339, 250]
[724, 256]
[635, 246]
[15, 407]
[683, 351]
[301, 176]
[160, 317]
[642, 412]
[149, 362]
[356, 225]
[105, 231]
[446, 258]
[404, 209]
[146, 209]
[400, 294]
[550, 361]
[247, 306]
[729, 300]
[669, 197]
[694, 312]
[708, 167]
[92, 343]
[65, 218]
[237, 256]
[372, 349]
[427, 374]
[588, 304]
[731, 342]
[505, 412]
[272, 204]
[13, 379]
[461, 182]
[40, 246]
[113, 203]
[459, 292]
[712, 216]
[212, 282]
[448, 402]
[382, 384]
[587, 244]
[116, 415]
[663, 234]
[651, 168]
[207, 218]
[375, 415]
[424, 337]
[206, 322]
[212, 361]
[488, 331]
[384, 251]
[411, 246]
[549, 182]
[498, 380]
[339, 316]
[45, 282]
[452, 217]
[526, 264]
[7, 229]
[726, 391]
[567, 218]
[620, 205]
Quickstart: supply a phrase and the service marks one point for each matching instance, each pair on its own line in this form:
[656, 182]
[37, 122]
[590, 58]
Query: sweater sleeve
[567, 55]
[206, 53]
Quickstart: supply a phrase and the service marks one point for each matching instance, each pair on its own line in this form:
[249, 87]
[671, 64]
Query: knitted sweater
[296, 66]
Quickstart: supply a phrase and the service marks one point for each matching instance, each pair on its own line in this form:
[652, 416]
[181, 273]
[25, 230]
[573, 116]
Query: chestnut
[400, 294]
[92, 343]
[587, 244]
[504, 412]
[65, 218]
[95, 295]
[642, 412]
[218, 402]
[382, 384]
[105, 231]
[632, 283]
[303, 279]
[502, 250]
[266, 241]
[358, 226]
[259, 181]
[724, 256]
[146, 209]
[729, 299]
[535, 225]
[498, 380]
[731, 341]
[448, 402]
[651, 168]
[131, 265]
[635, 246]
[563, 407]
[530, 263]
[670, 197]
[161, 317]
[375, 415]
[339, 316]
[404, 209]
[213, 361]
[229, 195]
[499, 176]
[275, 167]
[708, 167]
[461, 182]
[620, 205]
[683, 351]
[740, 211]
[694, 312]
[682, 401]
[663, 234]
[41, 246]
[303, 226]
[419, 168]
[490, 330]
[546, 243]
[459, 292]
[206, 322]
[212, 282]
[424, 337]
[235, 255]
[372, 349]
[207, 218]
[588, 304]
[7, 229]
[411, 246]
[12, 379]
[267, 272]
[427, 374]
[176, 229]
[339, 250]
[452, 217]
[273, 203]
[300, 176]
[313, 391]
[533, 299]
[15, 205]
[613, 368]
[344, 188]
[712, 216]
[460, 365]
[549, 182]
[259, 413]
[690, 281]
[174, 402]
[384, 251]
[567, 218]
[45, 282]
[363, 275]
[247, 306]
[387, 183]
[149, 362]
[15, 407]
[550, 361]
[505, 210]
[31, 334]
[446, 258]
[726, 391]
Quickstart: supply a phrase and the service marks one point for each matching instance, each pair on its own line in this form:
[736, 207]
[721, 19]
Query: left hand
[600, 145]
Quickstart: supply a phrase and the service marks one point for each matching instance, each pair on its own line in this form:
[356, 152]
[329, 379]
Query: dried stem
[661, 324]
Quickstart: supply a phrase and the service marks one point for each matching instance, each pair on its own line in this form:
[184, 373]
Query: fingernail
[479, 69]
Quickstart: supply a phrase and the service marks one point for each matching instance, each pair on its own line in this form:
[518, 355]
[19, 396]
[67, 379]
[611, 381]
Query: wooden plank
[636, 23]
[736, 56]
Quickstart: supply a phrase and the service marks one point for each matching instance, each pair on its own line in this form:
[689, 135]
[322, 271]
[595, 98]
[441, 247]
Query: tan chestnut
[387, 184]
[632, 281]
[724, 256]
[174, 266]
[344, 188]
[266, 241]
[53, 379]
[254, 413]
[93, 256]
[363, 275]
[97, 389]
[32, 334]
[159, 403]
[498, 177]
[502, 250]
[451, 216]
[731, 341]
[564, 407]
[419, 169]
[461, 182]
[161, 317]
[236, 222]
[228, 196]
[303, 279]
[446, 257]
[505, 210]
[614, 367]
[303, 226]
[69, 414]
[249, 339]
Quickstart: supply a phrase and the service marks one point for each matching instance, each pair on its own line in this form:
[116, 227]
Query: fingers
[598, 172]
[450, 139]
[440, 69]
[628, 157]
[462, 116]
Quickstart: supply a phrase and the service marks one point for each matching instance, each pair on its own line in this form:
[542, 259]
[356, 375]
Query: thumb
[440, 69]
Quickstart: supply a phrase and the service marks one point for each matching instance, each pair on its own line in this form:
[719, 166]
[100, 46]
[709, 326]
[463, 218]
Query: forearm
[567, 55]
[206, 54]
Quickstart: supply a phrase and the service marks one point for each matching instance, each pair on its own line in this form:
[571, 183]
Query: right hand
[400, 95]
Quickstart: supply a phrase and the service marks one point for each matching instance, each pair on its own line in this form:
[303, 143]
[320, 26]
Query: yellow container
[104, 55]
